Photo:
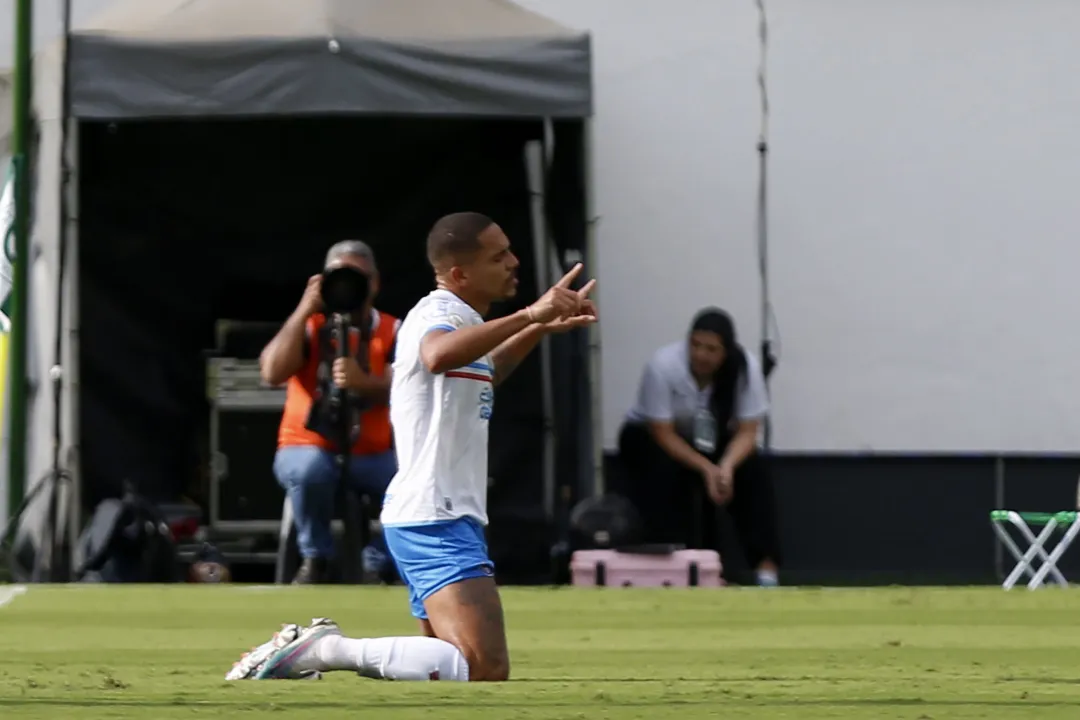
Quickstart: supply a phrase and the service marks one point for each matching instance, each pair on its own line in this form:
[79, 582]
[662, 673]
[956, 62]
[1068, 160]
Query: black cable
[769, 360]
[10, 526]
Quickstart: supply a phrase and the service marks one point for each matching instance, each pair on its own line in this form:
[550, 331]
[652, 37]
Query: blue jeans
[309, 475]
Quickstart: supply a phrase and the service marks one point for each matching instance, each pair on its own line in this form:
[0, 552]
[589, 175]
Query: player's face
[707, 353]
[493, 270]
[364, 266]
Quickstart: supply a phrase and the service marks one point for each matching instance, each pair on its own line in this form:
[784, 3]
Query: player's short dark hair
[455, 236]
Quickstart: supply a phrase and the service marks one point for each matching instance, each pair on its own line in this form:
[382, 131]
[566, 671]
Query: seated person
[303, 355]
[689, 445]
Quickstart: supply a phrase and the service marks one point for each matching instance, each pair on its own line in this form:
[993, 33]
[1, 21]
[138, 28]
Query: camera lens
[344, 290]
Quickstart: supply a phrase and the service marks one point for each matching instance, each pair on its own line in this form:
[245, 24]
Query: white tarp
[177, 58]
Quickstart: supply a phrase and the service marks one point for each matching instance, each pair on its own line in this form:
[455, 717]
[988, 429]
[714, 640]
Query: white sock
[388, 658]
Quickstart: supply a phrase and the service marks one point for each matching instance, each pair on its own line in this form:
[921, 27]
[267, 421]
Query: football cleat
[275, 659]
[251, 662]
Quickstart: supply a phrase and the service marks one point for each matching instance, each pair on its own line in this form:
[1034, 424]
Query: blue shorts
[430, 557]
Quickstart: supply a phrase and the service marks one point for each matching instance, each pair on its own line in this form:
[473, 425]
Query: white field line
[8, 594]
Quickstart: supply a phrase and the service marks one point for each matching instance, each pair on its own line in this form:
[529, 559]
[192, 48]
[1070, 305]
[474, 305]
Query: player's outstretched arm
[443, 350]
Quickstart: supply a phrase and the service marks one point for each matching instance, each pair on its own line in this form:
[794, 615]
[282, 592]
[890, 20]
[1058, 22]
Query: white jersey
[440, 423]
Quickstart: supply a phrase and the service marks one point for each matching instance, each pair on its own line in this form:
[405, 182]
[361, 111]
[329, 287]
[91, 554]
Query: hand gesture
[719, 484]
[348, 374]
[558, 302]
[586, 314]
[311, 302]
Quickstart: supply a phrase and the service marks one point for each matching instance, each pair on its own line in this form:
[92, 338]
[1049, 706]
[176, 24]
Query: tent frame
[56, 171]
[590, 482]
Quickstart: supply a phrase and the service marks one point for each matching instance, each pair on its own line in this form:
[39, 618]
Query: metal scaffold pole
[20, 152]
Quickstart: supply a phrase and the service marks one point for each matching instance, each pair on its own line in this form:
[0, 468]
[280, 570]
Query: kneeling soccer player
[447, 363]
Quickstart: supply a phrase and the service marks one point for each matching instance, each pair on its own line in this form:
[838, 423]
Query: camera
[334, 415]
[344, 290]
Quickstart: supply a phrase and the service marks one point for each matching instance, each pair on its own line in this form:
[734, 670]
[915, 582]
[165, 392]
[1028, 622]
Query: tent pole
[62, 507]
[69, 359]
[20, 152]
[534, 164]
[596, 405]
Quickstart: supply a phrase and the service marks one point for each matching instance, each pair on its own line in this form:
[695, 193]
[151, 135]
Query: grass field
[920, 654]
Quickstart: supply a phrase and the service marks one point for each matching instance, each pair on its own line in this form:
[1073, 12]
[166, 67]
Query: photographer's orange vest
[375, 435]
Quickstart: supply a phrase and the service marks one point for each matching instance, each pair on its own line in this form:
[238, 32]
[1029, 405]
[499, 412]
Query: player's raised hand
[558, 302]
[585, 315]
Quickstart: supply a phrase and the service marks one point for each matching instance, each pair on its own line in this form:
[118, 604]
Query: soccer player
[448, 360]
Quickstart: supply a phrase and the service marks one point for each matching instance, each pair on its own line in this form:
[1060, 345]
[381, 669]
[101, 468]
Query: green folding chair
[1051, 523]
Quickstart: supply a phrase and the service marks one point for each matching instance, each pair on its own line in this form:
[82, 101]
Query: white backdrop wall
[925, 233]
[675, 173]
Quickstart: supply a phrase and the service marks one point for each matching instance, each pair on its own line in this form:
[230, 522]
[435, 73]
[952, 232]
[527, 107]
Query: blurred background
[903, 247]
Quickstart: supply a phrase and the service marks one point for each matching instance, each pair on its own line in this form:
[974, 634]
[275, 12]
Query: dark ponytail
[731, 375]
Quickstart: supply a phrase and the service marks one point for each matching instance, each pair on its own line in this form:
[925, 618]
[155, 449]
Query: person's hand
[719, 483]
[348, 374]
[311, 302]
[586, 314]
[558, 302]
[727, 473]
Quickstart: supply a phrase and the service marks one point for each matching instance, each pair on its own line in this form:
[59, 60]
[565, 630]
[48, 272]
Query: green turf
[920, 654]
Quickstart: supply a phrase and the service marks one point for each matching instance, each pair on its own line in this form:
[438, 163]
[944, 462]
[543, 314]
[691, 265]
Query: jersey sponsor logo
[487, 402]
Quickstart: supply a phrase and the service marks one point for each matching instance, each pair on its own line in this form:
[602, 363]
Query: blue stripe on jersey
[478, 366]
[441, 326]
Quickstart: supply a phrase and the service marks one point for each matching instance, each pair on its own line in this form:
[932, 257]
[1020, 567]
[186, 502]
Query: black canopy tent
[218, 147]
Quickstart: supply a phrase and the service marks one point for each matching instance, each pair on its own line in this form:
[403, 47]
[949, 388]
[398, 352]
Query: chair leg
[285, 543]
[350, 547]
[365, 522]
[1037, 544]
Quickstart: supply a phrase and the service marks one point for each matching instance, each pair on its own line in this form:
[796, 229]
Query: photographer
[303, 354]
[689, 445]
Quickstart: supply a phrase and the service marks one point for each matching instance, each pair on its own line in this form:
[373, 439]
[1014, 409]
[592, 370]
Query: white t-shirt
[668, 392]
[440, 423]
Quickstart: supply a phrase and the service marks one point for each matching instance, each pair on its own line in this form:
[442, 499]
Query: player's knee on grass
[492, 669]
[469, 615]
[486, 664]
